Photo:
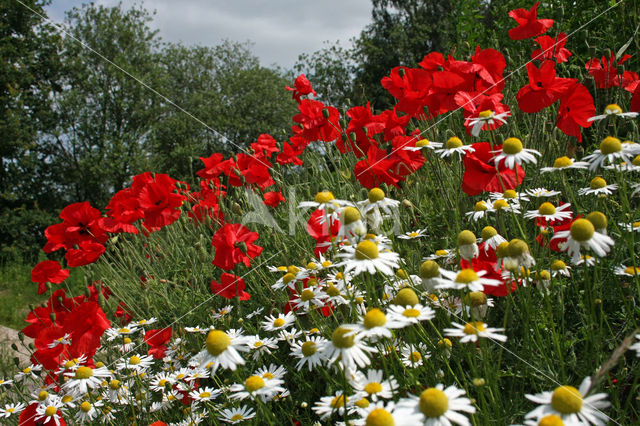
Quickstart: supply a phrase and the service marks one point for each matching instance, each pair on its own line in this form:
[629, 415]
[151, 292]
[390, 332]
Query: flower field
[467, 257]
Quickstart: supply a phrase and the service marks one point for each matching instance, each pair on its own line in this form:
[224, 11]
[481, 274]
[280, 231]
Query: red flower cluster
[481, 174]
[48, 271]
[231, 286]
[528, 23]
[157, 341]
[234, 244]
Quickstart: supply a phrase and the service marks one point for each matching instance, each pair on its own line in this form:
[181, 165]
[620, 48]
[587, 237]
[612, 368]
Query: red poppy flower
[528, 23]
[231, 286]
[233, 244]
[488, 65]
[158, 200]
[406, 162]
[376, 169]
[80, 222]
[124, 313]
[319, 230]
[445, 86]
[576, 107]
[551, 48]
[473, 103]
[393, 124]
[86, 323]
[315, 126]
[157, 341]
[492, 272]
[122, 211]
[302, 87]
[364, 125]
[544, 87]
[411, 87]
[604, 73]
[265, 145]
[480, 172]
[273, 199]
[212, 168]
[48, 271]
[86, 253]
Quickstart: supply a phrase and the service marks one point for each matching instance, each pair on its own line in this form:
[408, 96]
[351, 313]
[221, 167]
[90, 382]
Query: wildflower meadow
[466, 257]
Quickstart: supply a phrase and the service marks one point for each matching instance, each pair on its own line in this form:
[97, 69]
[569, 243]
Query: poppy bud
[16, 361]
[352, 136]
[401, 72]
[236, 208]
[325, 112]
[52, 316]
[14, 346]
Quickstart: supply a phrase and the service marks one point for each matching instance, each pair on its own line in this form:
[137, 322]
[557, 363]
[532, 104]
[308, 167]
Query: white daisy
[480, 210]
[423, 144]
[542, 192]
[454, 145]
[563, 163]
[326, 202]
[611, 150]
[626, 271]
[513, 153]
[438, 406]
[85, 378]
[466, 279]
[550, 213]
[204, 394]
[412, 235]
[636, 346]
[409, 315]
[236, 415]
[558, 267]
[12, 409]
[613, 110]
[367, 257]
[571, 404]
[413, 355]
[261, 345]
[583, 234]
[511, 196]
[334, 404]
[598, 186]
[137, 363]
[196, 329]
[221, 350]
[449, 255]
[630, 227]
[88, 411]
[49, 413]
[491, 238]
[373, 386]
[279, 322]
[30, 372]
[143, 322]
[114, 333]
[378, 200]
[471, 331]
[222, 312]
[487, 117]
[346, 345]
[375, 324]
[309, 352]
[380, 413]
[309, 298]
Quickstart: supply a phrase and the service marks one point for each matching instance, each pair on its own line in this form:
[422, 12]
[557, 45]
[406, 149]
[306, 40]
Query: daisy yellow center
[476, 298]
[217, 342]
[433, 402]
[10, 410]
[134, 360]
[632, 270]
[610, 145]
[466, 237]
[441, 253]
[27, 370]
[512, 146]
[473, 327]
[362, 403]
[326, 264]
[311, 265]
[254, 383]
[115, 384]
[597, 183]
[371, 237]
[517, 247]
[502, 250]
[205, 394]
[480, 206]
[453, 143]
[309, 348]
[636, 161]
[485, 114]
[324, 197]
[50, 411]
[411, 313]
[422, 143]
[127, 340]
[350, 215]
[635, 225]
[415, 356]
[236, 417]
[43, 395]
[85, 406]
[500, 204]
[613, 109]
[124, 330]
[546, 209]
[268, 376]
[69, 364]
[466, 276]
[375, 318]
[376, 194]
[551, 420]
[343, 338]
[293, 270]
[598, 219]
[414, 234]
[339, 401]
[406, 297]
[582, 230]
[162, 382]
[380, 417]
[307, 295]
[366, 250]
[544, 275]
[373, 387]
[84, 373]
[402, 274]
[566, 400]
[488, 232]
[429, 269]
[257, 344]
[67, 399]
[445, 343]
[278, 322]
[558, 265]
[333, 291]
[510, 194]
[562, 162]
[288, 277]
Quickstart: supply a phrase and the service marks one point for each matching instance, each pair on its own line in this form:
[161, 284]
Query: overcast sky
[280, 29]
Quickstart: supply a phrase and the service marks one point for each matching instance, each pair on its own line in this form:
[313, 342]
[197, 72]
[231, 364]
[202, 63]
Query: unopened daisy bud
[406, 297]
[350, 215]
[609, 145]
[479, 382]
[376, 194]
[407, 204]
[599, 221]
[467, 245]
[475, 299]
[488, 232]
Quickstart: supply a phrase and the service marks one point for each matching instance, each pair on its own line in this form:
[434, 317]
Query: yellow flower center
[411, 313]
[124, 330]
[551, 420]
[453, 142]
[363, 403]
[307, 295]
[517, 247]
[480, 206]
[350, 215]
[562, 162]
[376, 194]
[613, 109]
[288, 277]
[50, 411]
[402, 274]
[324, 197]
[309, 348]
[500, 204]
[237, 417]
[85, 406]
[466, 238]
[476, 298]
[343, 337]
[422, 143]
[609, 145]
[27, 370]
[445, 342]
[466, 276]
[217, 342]
[257, 344]
[582, 230]
[406, 297]
[429, 269]
[84, 373]
[485, 114]
[268, 376]
[278, 322]
[205, 394]
[512, 146]
[441, 253]
[546, 209]
[597, 183]
[115, 384]
[598, 219]
[433, 402]
[332, 290]
[488, 232]
[339, 401]
[69, 364]
[374, 318]
[373, 387]
[126, 340]
[415, 356]
[510, 194]
[414, 234]
[366, 250]
[380, 417]
[544, 275]
[636, 161]
[254, 383]
[67, 399]
[632, 270]
[10, 410]
[134, 360]
[474, 327]
[566, 400]
[558, 265]
[43, 395]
